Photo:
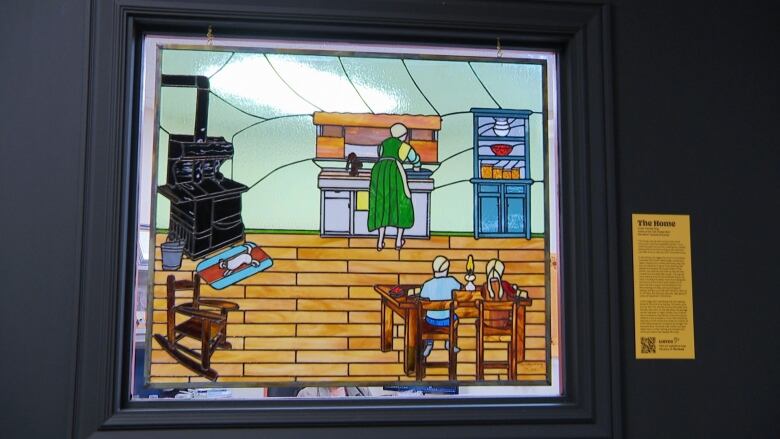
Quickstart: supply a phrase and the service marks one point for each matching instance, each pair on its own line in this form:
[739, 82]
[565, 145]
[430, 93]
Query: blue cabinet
[503, 213]
[502, 185]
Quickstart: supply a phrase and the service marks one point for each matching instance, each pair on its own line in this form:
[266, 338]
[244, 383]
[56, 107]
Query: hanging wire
[288, 85]
[483, 85]
[353, 86]
[403, 61]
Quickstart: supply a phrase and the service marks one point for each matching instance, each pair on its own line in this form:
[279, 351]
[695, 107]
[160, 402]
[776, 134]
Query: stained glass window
[334, 220]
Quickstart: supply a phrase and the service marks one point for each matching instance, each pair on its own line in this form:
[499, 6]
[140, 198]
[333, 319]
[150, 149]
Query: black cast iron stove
[205, 206]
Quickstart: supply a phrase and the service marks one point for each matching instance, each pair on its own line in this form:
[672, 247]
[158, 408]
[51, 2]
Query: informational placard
[663, 291]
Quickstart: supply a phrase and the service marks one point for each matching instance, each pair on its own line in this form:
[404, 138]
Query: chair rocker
[206, 322]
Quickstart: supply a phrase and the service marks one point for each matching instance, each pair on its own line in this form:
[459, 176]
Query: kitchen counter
[344, 203]
[336, 178]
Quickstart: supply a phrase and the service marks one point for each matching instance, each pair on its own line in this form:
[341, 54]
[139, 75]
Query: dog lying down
[233, 265]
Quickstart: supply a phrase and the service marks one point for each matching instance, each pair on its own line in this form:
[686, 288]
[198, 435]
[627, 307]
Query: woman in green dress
[389, 199]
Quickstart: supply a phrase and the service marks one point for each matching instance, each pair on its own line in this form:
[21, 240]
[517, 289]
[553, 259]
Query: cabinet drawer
[489, 189]
[336, 194]
[513, 189]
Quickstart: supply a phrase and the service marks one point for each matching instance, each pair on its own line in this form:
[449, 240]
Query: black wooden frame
[580, 32]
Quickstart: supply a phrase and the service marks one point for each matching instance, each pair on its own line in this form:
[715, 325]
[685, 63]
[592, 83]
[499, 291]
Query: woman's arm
[413, 158]
[407, 153]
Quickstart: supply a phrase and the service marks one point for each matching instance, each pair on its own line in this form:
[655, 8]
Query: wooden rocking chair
[207, 322]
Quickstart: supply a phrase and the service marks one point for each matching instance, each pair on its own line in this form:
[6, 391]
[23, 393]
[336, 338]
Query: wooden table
[406, 308]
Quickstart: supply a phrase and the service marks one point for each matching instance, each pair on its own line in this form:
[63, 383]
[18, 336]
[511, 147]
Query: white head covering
[494, 270]
[398, 130]
[440, 264]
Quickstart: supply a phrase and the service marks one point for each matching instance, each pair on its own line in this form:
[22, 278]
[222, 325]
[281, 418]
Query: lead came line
[483, 85]
[288, 85]
[403, 61]
[353, 86]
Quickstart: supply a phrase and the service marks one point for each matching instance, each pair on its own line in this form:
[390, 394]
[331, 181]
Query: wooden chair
[463, 306]
[206, 323]
[512, 324]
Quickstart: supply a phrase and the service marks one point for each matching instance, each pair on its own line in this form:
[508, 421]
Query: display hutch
[502, 184]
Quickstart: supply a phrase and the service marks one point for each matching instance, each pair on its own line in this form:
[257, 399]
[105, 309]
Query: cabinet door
[489, 213]
[516, 215]
[335, 213]
[420, 204]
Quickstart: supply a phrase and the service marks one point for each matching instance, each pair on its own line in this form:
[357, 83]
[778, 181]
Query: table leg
[410, 341]
[520, 339]
[386, 338]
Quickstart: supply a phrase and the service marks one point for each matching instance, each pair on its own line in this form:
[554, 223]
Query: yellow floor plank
[269, 278]
[428, 255]
[260, 330]
[340, 305]
[351, 254]
[296, 317]
[295, 370]
[298, 266]
[389, 267]
[364, 317]
[296, 292]
[266, 304]
[333, 357]
[520, 255]
[338, 330]
[346, 279]
[296, 343]
[232, 356]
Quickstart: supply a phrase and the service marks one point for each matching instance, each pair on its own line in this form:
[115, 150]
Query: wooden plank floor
[314, 316]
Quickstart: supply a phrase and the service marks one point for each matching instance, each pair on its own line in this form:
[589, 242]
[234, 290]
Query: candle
[470, 274]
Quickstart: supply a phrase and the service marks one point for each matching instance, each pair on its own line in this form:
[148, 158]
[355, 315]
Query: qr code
[648, 345]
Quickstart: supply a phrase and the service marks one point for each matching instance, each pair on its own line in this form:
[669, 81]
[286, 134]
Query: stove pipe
[201, 102]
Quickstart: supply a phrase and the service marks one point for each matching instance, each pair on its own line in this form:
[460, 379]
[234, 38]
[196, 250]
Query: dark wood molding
[580, 32]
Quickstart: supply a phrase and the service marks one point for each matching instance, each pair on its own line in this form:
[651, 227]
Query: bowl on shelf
[501, 149]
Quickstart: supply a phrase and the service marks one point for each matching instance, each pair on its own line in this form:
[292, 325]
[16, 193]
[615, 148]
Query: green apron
[388, 202]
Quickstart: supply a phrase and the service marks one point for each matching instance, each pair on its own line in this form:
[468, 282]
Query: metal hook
[210, 36]
[499, 50]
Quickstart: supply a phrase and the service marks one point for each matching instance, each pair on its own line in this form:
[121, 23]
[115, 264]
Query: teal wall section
[253, 87]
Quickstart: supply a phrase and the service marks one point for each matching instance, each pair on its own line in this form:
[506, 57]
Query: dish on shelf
[501, 149]
[501, 170]
[486, 170]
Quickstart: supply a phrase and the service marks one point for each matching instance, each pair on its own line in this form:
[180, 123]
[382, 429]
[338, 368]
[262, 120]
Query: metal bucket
[171, 254]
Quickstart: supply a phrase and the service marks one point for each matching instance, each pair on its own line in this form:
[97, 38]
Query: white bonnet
[398, 130]
[494, 265]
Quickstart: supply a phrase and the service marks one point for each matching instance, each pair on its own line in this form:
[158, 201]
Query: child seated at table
[497, 289]
[439, 287]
